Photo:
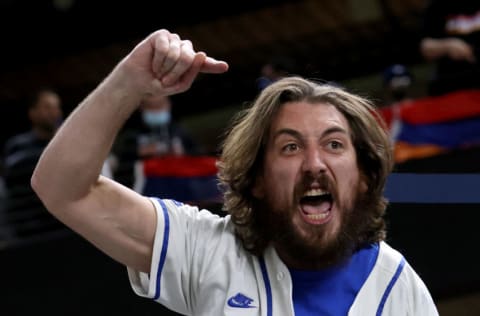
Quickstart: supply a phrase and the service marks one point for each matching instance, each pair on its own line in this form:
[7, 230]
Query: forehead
[47, 99]
[309, 117]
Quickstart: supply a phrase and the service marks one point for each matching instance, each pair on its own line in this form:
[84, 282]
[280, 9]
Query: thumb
[214, 66]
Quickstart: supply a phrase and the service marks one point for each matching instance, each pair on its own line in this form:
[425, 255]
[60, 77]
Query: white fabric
[205, 266]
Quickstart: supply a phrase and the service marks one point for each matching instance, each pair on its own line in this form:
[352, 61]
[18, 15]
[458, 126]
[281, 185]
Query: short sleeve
[179, 253]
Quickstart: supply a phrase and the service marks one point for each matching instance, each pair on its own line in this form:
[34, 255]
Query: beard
[315, 250]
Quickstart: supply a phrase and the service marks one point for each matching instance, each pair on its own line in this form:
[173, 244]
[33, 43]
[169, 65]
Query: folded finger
[172, 56]
[184, 62]
[186, 80]
[161, 46]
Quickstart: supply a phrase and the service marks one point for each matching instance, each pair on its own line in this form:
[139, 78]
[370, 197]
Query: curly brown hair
[244, 146]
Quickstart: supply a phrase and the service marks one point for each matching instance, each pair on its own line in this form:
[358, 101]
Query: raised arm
[451, 47]
[67, 178]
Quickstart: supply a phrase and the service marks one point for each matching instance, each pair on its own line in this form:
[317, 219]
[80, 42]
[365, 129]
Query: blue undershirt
[332, 291]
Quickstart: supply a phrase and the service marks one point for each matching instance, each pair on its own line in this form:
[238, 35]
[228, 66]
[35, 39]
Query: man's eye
[290, 148]
[335, 145]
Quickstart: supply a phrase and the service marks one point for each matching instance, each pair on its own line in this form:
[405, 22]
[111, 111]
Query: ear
[363, 183]
[258, 189]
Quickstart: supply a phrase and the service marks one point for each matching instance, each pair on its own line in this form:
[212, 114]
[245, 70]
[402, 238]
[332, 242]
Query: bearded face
[310, 189]
[47, 113]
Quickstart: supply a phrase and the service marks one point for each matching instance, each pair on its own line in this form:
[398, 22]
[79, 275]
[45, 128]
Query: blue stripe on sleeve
[268, 289]
[163, 253]
[390, 286]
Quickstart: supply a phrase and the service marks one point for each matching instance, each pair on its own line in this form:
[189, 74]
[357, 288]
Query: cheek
[279, 180]
[349, 177]
[281, 173]
[268, 186]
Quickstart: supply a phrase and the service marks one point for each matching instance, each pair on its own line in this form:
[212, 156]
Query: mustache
[308, 181]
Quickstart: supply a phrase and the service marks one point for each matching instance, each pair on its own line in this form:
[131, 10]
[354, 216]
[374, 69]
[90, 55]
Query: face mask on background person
[156, 118]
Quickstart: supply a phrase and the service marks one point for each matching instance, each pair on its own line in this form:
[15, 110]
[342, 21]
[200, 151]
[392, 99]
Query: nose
[313, 162]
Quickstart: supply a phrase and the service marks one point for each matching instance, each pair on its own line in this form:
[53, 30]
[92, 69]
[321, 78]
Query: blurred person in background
[274, 69]
[397, 84]
[157, 135]
[162, 135]
[25, 213]
[451, 39]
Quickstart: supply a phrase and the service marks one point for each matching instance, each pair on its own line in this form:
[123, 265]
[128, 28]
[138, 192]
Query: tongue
[317, 208]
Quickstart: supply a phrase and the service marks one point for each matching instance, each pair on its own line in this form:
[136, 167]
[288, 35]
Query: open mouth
[316, 206]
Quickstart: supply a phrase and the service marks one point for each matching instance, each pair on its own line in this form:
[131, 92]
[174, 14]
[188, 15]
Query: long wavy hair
[244, 146]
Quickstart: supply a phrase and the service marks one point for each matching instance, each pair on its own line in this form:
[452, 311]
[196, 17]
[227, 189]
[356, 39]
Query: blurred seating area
[435, 125]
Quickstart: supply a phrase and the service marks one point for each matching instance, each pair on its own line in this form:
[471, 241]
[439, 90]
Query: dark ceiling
[72, 44]
[39, 30]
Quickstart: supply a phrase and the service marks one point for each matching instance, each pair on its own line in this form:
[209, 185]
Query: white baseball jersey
[199, 267]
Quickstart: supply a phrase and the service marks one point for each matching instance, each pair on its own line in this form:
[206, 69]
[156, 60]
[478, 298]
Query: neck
[300, 263]
[43, 133]
[314, 259]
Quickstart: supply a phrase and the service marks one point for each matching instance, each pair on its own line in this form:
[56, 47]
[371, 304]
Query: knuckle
[185, 58]
[161, 32]
[187, 43]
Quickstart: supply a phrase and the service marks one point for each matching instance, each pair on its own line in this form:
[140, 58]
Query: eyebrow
[334, 129]
[298, 135]
[287, 131]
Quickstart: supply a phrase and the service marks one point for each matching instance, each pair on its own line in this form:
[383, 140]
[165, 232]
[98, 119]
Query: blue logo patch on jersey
[240, 301]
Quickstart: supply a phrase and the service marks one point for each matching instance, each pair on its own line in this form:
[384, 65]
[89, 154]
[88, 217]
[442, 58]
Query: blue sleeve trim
[390, 286]
[163, 253]
[268, 289]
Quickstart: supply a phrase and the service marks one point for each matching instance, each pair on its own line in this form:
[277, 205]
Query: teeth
[316, 192]
[317, 217]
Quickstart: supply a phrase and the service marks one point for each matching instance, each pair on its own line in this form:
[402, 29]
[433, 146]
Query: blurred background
[370, 47]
